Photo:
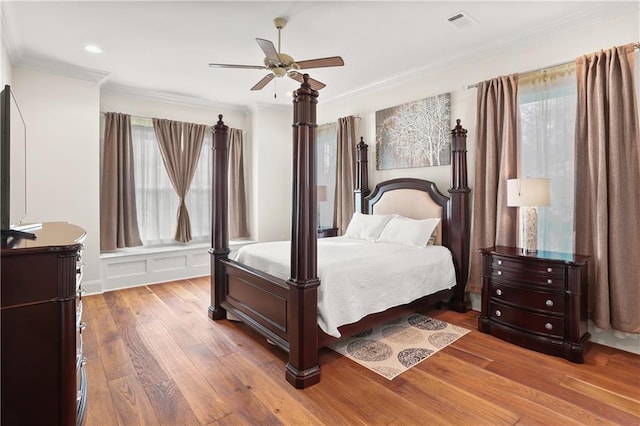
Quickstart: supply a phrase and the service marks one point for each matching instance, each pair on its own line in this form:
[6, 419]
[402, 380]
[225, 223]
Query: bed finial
[458, 130]
[220, 124]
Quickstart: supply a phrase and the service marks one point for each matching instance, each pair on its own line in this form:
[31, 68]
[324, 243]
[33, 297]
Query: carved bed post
[219, 220]
[303, 368]
[459, 214]
[362, 176]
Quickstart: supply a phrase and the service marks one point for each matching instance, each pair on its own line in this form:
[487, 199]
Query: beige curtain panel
[237, 198]
[180, 145]
[345, 173]
[496, 161]
[607, 177]
[118, 216]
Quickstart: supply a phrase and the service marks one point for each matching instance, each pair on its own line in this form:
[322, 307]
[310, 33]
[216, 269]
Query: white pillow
[367, 226]
[409, 232]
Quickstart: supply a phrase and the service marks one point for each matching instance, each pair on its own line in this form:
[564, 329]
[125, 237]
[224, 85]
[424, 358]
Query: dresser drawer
[524, 271]
[527, 320]
[539, 300]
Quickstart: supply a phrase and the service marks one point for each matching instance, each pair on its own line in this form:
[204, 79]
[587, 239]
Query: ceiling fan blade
[315, 84]
[333, 61]
[269, 50]
[249, 67]
[265, 80]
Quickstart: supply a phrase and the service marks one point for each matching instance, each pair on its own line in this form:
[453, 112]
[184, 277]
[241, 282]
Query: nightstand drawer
[537, 323]
[552, 302]
[536, 273]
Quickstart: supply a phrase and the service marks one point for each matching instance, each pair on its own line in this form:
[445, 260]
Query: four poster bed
[283, 304]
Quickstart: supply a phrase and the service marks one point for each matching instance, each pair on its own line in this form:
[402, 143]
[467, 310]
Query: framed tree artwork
[415, 134]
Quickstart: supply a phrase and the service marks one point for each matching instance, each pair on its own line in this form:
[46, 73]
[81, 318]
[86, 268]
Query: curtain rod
[636, 46]
[151, 118]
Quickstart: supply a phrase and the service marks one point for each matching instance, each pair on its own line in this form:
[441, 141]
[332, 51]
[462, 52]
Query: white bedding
[359, 277]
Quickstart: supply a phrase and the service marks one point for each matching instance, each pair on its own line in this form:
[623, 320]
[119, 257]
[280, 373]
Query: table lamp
[528, 194]
[322, 197]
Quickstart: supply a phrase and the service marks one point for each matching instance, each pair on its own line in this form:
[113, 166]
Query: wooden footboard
[258, 299]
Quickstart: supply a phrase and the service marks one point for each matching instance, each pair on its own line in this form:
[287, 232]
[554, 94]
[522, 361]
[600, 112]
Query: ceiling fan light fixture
[279, 71]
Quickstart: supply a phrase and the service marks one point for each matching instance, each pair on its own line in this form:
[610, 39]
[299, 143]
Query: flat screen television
[13, 167]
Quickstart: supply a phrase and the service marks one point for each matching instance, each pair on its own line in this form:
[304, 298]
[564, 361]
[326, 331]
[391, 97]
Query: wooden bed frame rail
[286, 312]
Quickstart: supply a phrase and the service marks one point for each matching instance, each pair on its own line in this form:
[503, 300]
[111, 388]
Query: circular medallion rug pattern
[395, 346]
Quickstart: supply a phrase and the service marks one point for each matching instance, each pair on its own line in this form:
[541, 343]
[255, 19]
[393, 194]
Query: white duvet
[357, 277]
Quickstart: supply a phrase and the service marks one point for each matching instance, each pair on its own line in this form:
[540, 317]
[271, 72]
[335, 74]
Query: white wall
[6, 71]
[62, 119]
[272, 163]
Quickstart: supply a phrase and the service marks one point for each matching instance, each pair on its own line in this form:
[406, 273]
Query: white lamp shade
[322, 193]
[528, 192]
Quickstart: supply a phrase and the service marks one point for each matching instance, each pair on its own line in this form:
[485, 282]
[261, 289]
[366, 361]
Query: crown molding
[158, 96]
[10, 41]
[62, 69]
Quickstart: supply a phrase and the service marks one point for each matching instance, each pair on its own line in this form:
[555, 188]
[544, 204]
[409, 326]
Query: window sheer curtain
[607, 179]
[180, 144]
[547, 110]
[118, 217]
[326, 137]
[496, 161]
[345, 173]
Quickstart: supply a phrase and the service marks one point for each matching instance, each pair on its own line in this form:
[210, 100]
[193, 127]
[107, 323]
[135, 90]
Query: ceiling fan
[280, 64]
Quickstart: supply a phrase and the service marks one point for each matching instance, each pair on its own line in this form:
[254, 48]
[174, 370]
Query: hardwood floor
[154, 357]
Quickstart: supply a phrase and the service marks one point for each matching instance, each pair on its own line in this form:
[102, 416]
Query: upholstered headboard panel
[410, 203]
[413, 198]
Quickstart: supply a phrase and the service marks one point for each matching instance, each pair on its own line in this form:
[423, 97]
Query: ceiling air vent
[462, 20]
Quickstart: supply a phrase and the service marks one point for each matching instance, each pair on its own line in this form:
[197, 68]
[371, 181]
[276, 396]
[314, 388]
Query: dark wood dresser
[536, 300]
[43, 379]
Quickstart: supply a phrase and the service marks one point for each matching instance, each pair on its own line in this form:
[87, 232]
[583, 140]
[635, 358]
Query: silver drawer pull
[499, 292]
[83, 325]
[549, 302]
[499, 262]
[548, 326]
[498, 313]
[549, 281]
[499, 272]
[549, 270]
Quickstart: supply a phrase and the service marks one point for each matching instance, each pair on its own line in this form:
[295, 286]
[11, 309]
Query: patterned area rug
[392, 348]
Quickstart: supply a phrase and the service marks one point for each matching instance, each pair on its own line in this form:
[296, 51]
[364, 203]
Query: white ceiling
[164, 47]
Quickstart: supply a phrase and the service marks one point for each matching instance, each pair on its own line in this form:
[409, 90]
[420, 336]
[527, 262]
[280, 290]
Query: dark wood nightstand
[536, 300]
[327, 232]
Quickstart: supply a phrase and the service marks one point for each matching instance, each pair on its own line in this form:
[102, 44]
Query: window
[156, 200]
[547, 106]
[326, 145]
